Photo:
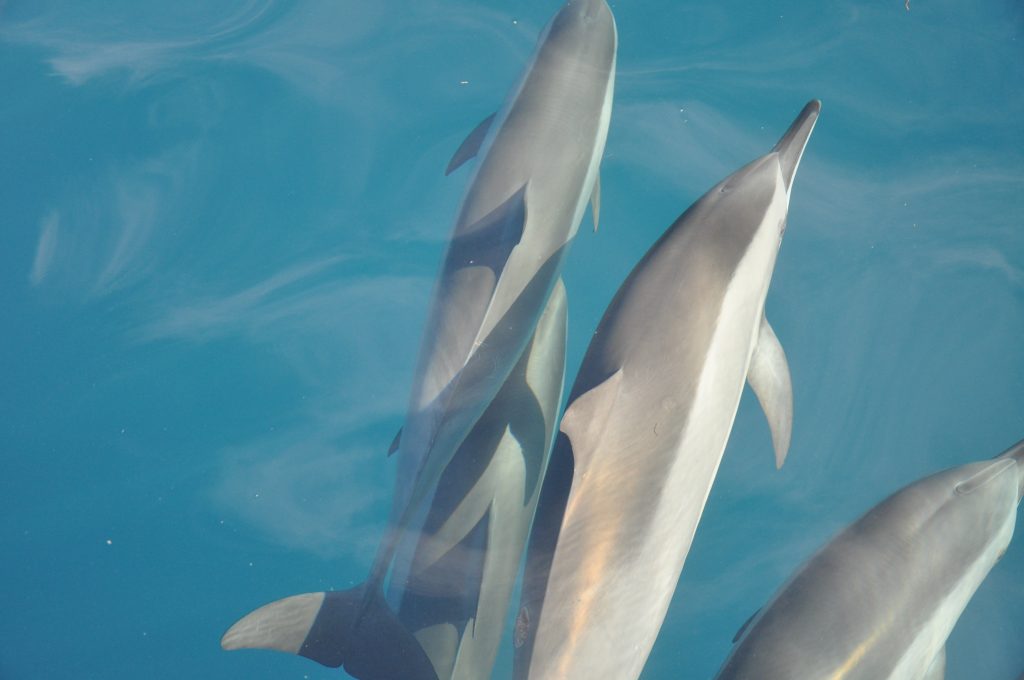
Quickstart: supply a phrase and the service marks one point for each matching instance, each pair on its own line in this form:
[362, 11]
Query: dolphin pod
[881, 598]
[612, 497]
[539, 157]
[648, 420]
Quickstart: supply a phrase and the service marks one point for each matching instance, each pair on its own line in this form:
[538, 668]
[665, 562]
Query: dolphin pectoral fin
[584, 420]
[595, 201]
[746, 624]
[395, 443]
[490, 240]
[470, 145]
[791, 146]
[937, 671]
[330, 629]
[768, 376]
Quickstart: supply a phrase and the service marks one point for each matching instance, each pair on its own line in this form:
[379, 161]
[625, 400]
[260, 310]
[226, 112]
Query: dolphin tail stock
[353, 628]
[791, 146]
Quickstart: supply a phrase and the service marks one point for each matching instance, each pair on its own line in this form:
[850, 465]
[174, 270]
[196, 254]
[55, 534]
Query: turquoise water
[223, 222]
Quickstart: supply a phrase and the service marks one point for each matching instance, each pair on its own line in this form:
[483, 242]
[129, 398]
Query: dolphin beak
[1016, 452]
[589, 9]
[791, 147]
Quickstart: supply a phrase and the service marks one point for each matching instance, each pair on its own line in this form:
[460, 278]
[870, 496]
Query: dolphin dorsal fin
[595, 201]
[585, 419]
[768, 376]
[395, 443]
[470, 145]
[791, 146]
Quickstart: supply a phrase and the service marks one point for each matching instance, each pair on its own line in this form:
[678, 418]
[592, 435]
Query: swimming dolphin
[539, 158]
[460, 569]
[453, 577]
[647, 423]
[881, 598]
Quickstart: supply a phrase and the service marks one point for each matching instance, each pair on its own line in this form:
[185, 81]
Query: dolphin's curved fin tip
[395, 443]
[746, 624]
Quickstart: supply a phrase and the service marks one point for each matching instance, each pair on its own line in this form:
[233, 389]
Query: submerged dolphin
[648, 420]
[458, 569]
[538, 168]
[463, 565]
[881, 598]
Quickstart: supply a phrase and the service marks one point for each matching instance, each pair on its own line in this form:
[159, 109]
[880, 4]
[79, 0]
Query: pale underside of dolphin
[460, 568]
[537, 169]
[880, 599]
[648, 420]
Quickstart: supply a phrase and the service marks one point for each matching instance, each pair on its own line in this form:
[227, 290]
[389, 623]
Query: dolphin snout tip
[811, 109]
[590, 9]
[1016, 453]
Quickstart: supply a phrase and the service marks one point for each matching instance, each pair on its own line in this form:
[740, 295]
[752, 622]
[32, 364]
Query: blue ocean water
[223, 220]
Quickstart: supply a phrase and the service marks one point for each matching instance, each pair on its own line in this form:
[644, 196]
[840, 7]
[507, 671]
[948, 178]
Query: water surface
[222, 222]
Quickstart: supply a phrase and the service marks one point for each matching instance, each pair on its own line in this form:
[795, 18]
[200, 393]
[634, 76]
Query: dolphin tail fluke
[347, 628]
[791, 147]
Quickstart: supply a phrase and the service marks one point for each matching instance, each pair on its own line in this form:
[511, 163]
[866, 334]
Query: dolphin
[881, 598]
[460, 569]
[649, 416]
[539, 157]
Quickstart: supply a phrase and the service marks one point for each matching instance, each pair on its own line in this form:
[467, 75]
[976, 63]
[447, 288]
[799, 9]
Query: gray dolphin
[881, 598]
[462, 566]
[648, 420]
[538, 168]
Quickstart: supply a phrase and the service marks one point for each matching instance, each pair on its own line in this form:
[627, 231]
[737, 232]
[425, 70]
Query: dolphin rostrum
[462, 565]
[538, 168]
[647, 423]
[881, 598]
